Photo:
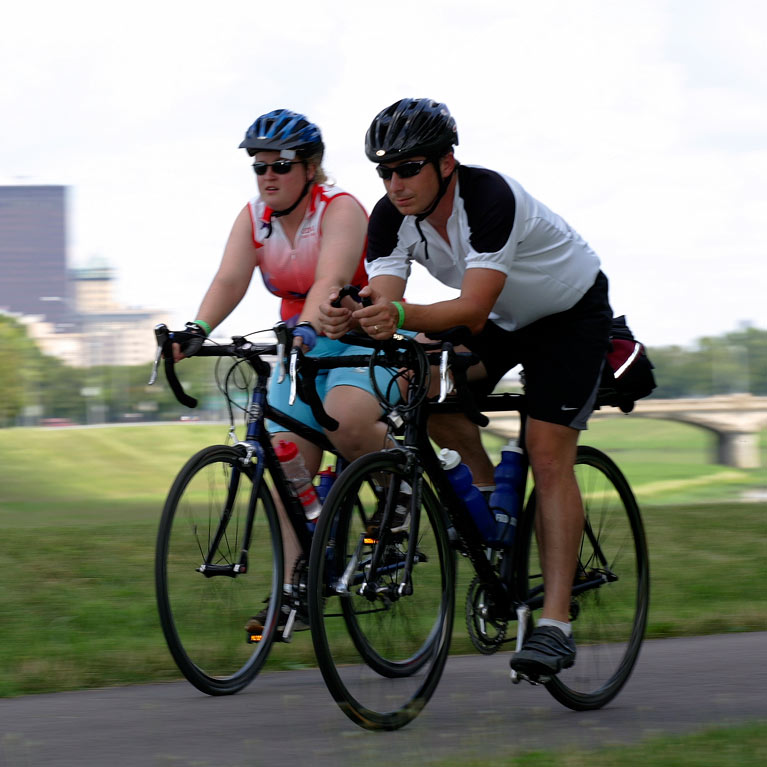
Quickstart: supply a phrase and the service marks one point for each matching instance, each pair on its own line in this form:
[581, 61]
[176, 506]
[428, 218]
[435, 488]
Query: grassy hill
[79, 509]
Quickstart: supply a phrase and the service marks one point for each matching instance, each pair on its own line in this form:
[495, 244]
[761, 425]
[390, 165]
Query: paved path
[679, 685]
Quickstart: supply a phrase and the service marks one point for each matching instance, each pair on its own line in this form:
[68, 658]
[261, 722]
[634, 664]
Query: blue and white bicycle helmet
[282, 129]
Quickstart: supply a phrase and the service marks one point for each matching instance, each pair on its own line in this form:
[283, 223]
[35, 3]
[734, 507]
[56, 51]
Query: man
[531, 292]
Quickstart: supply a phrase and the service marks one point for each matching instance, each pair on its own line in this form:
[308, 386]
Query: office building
[70, 313]
[33, 252]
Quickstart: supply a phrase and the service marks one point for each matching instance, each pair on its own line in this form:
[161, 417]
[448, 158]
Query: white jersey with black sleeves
[495, 224]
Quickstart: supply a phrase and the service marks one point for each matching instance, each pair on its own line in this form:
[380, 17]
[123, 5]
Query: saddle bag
[628, 371]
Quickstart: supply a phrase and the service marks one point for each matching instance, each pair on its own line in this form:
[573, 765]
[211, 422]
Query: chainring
[486, 632]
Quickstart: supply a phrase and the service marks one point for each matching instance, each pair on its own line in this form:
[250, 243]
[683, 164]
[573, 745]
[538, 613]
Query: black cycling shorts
[561, 356]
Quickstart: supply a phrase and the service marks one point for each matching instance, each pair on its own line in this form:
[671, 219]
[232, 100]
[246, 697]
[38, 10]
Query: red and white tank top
[288, 268]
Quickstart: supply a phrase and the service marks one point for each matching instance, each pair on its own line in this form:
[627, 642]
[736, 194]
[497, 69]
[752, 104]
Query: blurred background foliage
[37, 387]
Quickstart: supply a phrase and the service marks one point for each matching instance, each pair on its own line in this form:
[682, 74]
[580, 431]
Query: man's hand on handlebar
[379, 320]
[377, 316]
[336, 321]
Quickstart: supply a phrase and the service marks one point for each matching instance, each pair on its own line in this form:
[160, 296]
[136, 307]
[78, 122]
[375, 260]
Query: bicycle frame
[257, 445]
[511, 598]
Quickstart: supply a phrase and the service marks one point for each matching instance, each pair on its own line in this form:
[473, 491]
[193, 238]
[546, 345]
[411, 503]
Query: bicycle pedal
[517, 677]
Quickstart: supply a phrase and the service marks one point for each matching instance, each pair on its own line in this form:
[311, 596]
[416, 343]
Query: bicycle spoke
[381, 648]
[609, 612]
[204, 602]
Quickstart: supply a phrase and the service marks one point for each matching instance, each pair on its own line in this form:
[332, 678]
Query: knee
[549, 464]
[358, 413]
[350, 435]
[357, 436]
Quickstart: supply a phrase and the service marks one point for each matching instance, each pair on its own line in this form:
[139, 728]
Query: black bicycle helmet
[283, 129]
[408, 128]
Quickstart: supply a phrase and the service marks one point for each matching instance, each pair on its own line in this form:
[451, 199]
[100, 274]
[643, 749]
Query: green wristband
[401, 312]
[204, 325]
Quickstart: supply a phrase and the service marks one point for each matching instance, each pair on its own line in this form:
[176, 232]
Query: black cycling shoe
[545, 652]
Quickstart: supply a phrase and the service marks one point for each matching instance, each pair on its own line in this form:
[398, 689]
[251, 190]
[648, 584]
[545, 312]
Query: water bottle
[295, 470]
[505, 500]
[461, 479]
[327, 478]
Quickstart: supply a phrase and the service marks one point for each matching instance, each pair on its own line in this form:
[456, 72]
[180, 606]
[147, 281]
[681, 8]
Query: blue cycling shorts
[279, 393]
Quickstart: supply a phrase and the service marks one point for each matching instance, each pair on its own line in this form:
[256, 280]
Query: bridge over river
[735, 419]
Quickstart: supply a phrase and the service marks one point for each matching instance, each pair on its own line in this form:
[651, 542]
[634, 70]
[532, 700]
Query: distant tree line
[36, 387]
[733, 363]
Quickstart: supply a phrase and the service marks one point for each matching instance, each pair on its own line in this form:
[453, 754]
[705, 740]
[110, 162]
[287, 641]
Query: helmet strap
[444, 183]
[288, 211]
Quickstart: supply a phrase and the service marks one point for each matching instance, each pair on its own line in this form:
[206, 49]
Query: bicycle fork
[366, 572]
[208, 568]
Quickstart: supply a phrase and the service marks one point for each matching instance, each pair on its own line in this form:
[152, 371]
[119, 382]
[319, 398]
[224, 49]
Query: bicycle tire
[203, 617]
[608, 621]
[381, 655]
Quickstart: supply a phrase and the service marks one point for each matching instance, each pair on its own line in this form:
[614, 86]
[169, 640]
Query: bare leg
[559, 513]
[359, 432]
[456, 432]
[290, 546]
[357, 412]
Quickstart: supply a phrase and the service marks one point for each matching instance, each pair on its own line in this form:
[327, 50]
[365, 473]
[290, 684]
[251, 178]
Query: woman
[308, 239]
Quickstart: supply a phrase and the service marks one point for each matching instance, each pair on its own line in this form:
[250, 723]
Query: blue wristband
[307, 334]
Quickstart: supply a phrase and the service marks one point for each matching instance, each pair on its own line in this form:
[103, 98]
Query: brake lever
[294, 352]
[283, 339]
[162, 335]
[155, 366]
[444, 368]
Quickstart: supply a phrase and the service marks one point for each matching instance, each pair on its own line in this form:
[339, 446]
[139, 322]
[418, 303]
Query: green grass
[670, 463]
[78, 517]
[744, 746]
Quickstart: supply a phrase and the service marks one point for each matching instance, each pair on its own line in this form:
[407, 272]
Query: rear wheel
[380, 645]
[611, 589]
[203, 612]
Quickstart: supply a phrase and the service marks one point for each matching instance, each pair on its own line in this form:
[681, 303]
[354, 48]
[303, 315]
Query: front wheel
[204, 595]
[610, 599]
[381, 642]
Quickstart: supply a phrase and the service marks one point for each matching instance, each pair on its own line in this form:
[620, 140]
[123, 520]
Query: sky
[644, 125]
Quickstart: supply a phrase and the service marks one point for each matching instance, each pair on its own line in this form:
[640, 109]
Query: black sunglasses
[280, 167]
[406, 170]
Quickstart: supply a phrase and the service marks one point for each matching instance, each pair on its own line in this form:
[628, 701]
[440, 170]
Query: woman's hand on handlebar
[195, 336]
